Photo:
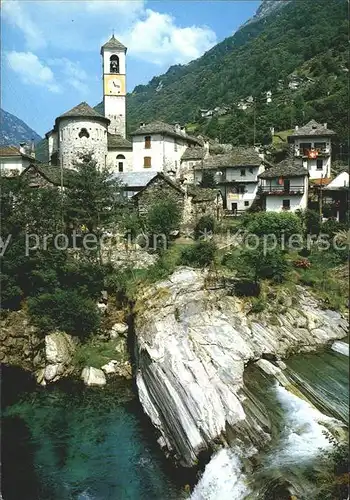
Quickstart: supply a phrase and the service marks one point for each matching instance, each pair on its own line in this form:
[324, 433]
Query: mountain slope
[13, 130]
[298, 52]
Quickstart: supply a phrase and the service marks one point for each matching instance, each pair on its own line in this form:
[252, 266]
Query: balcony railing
[305, 152]
[281, 190]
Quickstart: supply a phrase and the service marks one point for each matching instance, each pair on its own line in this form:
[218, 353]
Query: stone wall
[159, 189]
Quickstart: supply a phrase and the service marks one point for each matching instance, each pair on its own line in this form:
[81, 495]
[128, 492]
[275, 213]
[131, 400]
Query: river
[72, 443]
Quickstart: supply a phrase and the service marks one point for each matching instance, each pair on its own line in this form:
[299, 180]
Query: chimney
[183, 130]
[296, 128]
[142, 124]
[22, 148]
[177, 128]
[272, 130]
[206, 148]
[325, 125]
[32, 148]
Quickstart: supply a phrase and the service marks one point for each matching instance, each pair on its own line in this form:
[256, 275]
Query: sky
[50, 54]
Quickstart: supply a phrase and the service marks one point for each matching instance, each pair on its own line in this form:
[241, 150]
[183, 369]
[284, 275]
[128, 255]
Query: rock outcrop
[193, 341]
[59, 350]
[93, 377]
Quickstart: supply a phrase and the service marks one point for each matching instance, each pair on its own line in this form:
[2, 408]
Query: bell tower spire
[114, 84]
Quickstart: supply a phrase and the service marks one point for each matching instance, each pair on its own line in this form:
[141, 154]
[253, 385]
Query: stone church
[82, 128]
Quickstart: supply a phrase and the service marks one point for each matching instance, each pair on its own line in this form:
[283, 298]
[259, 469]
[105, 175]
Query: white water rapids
[302, 439]
[341, 347]
[222, 478]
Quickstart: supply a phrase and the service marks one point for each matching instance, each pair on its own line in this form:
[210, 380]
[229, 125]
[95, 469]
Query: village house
[335, 195]
[313, 147]
[284, 187]
[236, 174]
[159, 146]
[14, 160]
[38, 175]
[193, 202]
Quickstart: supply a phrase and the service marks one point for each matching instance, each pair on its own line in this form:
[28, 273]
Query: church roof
[113, 44]
[159, 127]
[118, 142]
[83, 110]
[312, 128]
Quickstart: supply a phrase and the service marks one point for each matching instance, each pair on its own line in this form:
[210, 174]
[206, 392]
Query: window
[114, 64]
[251, 170]
[304, 147]
[320, 145]
[147, 162]
[319, 164]
[241, 189]
[120, 166]
[246, 203]
[242, 172]
[286, 204]
[84, 133]
[120, 162]
[148, 142]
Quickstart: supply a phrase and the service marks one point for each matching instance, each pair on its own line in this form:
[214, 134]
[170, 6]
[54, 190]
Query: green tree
[163, 217]
[259, 264]
[94, 200]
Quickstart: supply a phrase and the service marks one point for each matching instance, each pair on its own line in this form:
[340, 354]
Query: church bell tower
[114, 85]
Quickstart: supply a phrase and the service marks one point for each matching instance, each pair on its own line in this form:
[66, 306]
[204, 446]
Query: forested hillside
[298, 52]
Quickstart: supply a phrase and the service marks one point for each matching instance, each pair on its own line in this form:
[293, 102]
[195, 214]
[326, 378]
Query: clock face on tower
[114, 85]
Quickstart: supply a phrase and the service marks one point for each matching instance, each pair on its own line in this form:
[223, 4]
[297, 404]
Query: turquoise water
[64, 444]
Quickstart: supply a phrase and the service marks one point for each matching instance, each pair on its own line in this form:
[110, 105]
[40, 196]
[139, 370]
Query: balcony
[305, 152]
[282, 191]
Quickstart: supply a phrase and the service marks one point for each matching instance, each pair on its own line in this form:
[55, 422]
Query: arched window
[120, 163]
[114, 64]
[84, 133]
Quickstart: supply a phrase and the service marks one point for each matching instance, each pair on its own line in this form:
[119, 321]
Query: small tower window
[120, 162]
[114, 64]
[147, 162]
[84, 133]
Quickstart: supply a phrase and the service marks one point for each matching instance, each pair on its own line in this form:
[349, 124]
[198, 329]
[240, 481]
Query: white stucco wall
[114, 106]
[274, 203]
[164, 154]
[240, 198]
[13, 165]
[310, 164]
[340, 181]
[112, 161]
[187, 172]
[70, 144]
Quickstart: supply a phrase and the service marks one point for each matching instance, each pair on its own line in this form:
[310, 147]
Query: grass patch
[96, 353]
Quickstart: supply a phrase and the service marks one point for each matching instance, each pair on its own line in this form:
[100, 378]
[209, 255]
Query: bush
[278, 224]
[163, 217]
[205, 225]
[310, 220]
[258, 305]
[64, 310]
[332, 226]
[199, 255]
[257, 264]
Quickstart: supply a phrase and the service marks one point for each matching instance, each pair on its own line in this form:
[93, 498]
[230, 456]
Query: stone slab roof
[7, 151]
[193, 153]
[159, 127]
[160, 175]
[52, 174]
[286, 168]
[134, 179]
[238, 157]
[113, 44]
[312, 128]
[83, 110]
[118, 142]
[202, 194]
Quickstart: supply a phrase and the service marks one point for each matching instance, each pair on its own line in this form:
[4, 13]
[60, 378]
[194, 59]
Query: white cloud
[157, 39]
[85, 25]
[72, 73]
[32, 71]
[14, 14]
